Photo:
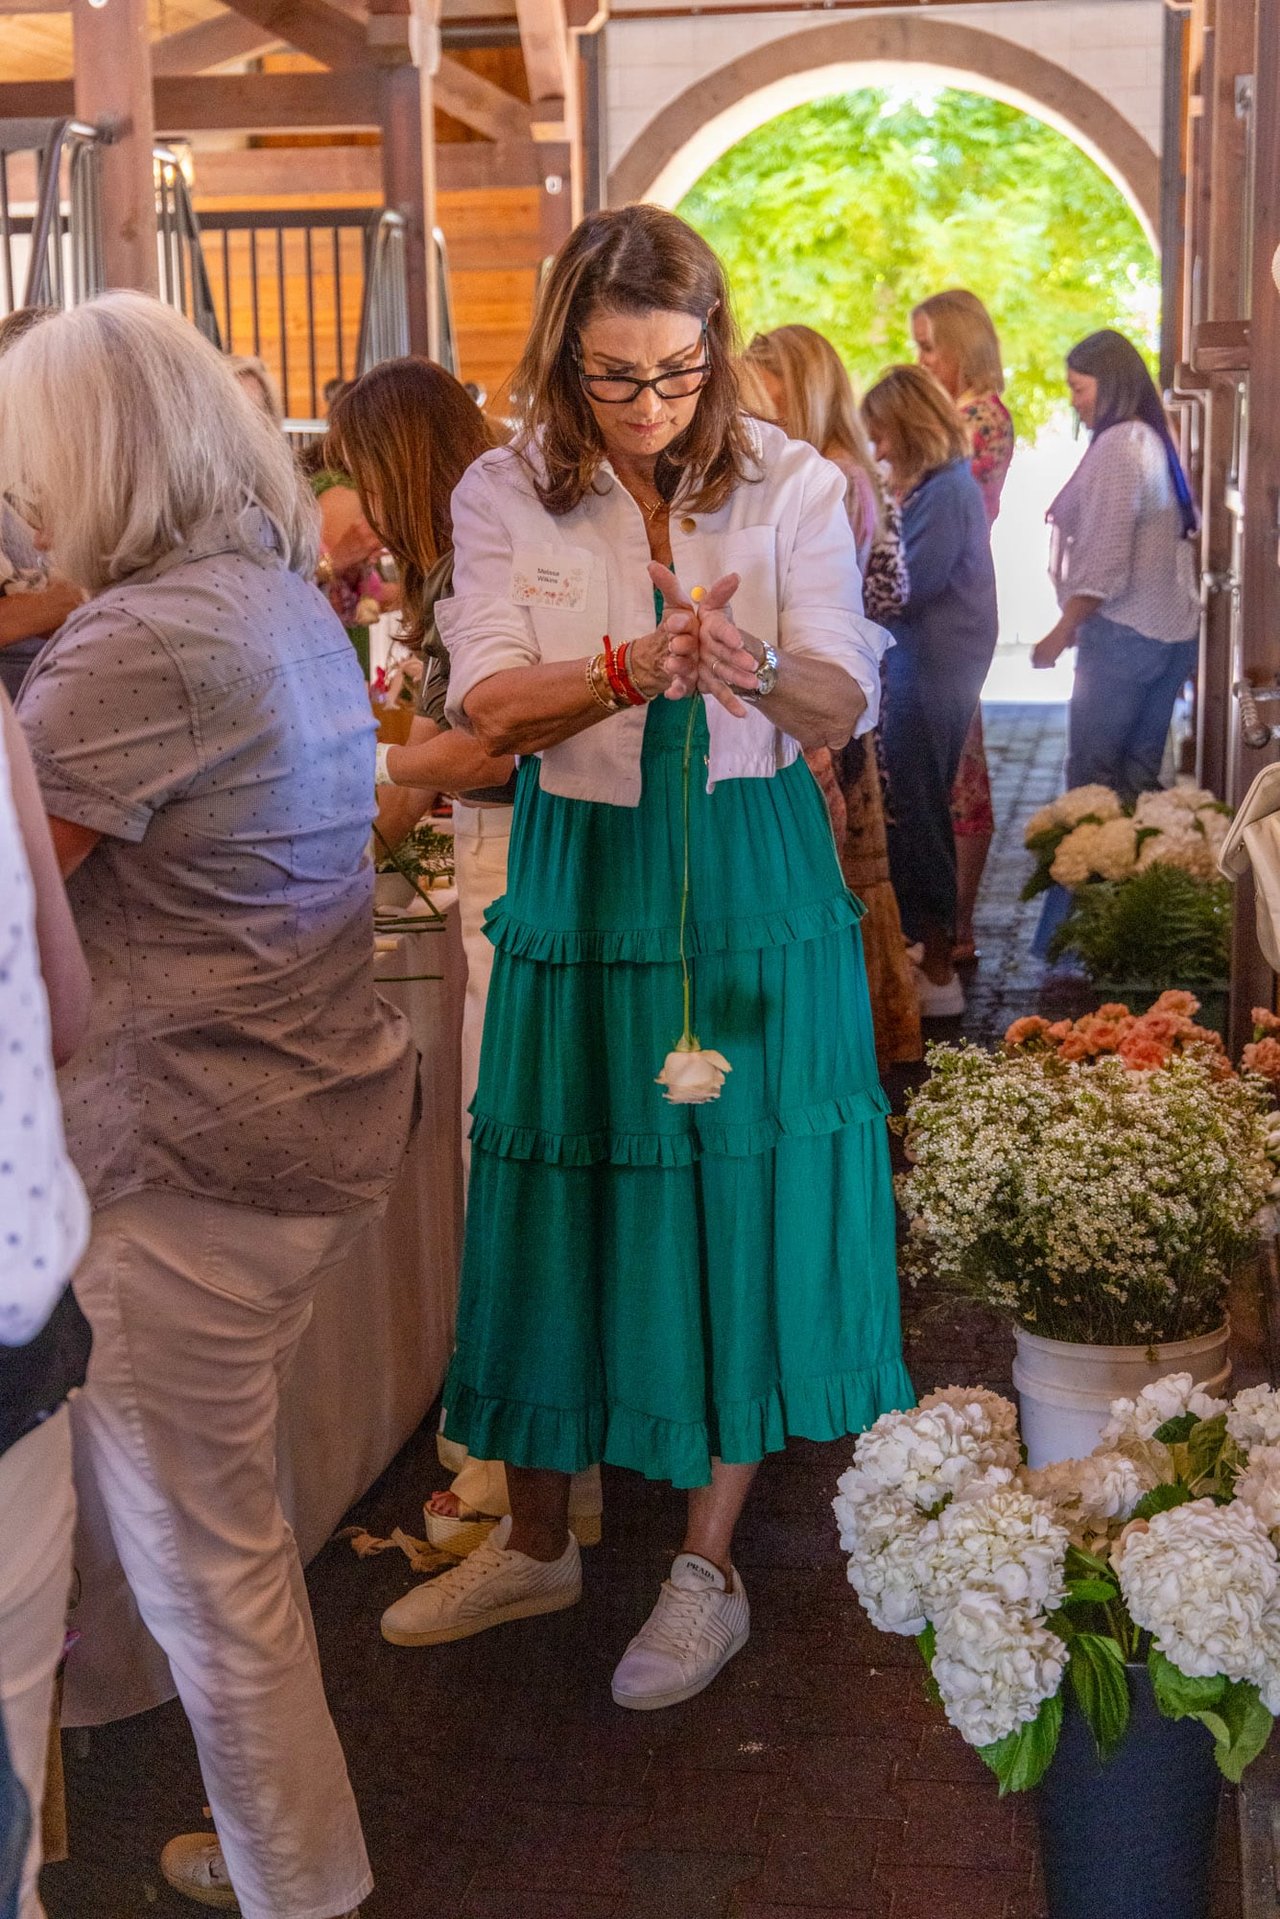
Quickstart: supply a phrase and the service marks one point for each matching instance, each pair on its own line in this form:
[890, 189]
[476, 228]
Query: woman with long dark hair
[670, 1284]
[1124, 566]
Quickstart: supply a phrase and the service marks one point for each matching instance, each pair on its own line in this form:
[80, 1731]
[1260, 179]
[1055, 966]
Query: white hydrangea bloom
[974, 1401]
[1076, 858]
[1200, 1579]
[1254, 1417]
[994, 1667]
[1265, 1672]
[1184, 845]
[1008, 1543]
[1164, 1399]
[881, 1533]
[928, 1454]
[1087, 1495]
[1258, 1486]
[1096, 802]
[1115, 851]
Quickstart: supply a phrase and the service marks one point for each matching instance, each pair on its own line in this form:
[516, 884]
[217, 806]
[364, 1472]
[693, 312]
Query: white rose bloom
[1258, 1486]
[881, 1533]
[1254, 1418]
[927, 1454]
[1167, 1398]
[1097, 802]
[994, 1667]
[1086, 1495]
[1008, 1543]
[1199, 1580]
[693, 1076]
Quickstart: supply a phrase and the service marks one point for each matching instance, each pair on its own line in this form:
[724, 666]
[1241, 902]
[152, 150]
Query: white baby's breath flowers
[1089, 1495]
[1168, 1398]
[1258, 1486]
[994, 1667]
[1200, 1580]
[1007, 1543]
[1254, 1417]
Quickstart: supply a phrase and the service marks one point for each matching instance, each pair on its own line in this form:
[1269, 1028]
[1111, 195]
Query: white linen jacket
[531, 587]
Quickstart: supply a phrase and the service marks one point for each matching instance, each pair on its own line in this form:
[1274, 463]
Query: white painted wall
[1116, 46]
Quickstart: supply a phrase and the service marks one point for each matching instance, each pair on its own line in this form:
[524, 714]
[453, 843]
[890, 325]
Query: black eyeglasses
[612, 389]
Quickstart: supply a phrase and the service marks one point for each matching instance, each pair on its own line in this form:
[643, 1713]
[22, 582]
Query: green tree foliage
[846, 212]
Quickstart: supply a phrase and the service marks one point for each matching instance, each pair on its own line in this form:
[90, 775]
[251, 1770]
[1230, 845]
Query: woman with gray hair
[205, 750]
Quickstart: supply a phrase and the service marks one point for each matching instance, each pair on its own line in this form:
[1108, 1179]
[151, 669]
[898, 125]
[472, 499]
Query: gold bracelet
[595, 667]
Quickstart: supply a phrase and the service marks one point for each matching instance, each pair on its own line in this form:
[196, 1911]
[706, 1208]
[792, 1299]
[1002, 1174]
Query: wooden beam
[478, 103]
[34, 6]
[268, 102]
[112, 87]
[312, 26]
[269, 175]
[544, 36]
[211, 43]
[400, 28]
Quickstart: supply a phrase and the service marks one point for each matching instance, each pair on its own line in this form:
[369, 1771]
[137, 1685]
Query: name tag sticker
[548, 579]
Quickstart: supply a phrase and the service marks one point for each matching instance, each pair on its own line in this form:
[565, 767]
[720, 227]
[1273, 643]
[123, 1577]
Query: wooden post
[1225, 297]
[403, 37]
[1252, 983]
[113, 90]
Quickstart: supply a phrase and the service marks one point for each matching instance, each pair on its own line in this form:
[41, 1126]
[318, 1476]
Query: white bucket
[1065, 1391]
[392, 892]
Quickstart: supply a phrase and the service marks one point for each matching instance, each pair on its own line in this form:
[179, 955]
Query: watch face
[767, 677]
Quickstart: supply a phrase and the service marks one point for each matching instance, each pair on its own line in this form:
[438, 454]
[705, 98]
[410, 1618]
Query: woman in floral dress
[957, 342]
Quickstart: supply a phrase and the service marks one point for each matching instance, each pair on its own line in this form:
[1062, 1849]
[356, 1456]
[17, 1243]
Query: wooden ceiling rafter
[315, 27]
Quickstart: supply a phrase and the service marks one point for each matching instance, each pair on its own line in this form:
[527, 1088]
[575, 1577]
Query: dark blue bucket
[1133, 1839]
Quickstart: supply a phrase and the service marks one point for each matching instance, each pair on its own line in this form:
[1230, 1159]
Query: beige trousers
[37, 1519]
[197, 1309]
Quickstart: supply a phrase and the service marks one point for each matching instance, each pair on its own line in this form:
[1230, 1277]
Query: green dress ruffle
[656, 1285]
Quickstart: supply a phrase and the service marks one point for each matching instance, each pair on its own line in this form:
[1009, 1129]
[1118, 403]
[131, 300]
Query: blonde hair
[122, 429]
[247, 366]
[966, 333]
[919, 418]
[819, 403]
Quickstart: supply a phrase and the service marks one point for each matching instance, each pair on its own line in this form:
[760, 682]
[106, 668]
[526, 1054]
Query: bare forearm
[448, 763]
[399, 810]
[34, 616]
[816, 702]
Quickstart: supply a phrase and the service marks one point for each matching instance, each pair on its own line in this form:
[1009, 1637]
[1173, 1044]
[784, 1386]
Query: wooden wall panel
[495, 246]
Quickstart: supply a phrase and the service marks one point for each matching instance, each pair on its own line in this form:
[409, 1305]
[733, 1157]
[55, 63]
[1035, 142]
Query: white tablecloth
[371, 1361]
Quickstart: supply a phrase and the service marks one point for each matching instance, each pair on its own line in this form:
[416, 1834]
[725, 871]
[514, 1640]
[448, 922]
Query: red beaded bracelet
[634, 696]
[611, 669]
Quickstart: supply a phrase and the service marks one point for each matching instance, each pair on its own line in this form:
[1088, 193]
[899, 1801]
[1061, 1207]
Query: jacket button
[687, 525]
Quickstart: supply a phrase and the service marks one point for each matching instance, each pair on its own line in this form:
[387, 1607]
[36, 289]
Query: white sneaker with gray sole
[700, 1621]
[491, 1587]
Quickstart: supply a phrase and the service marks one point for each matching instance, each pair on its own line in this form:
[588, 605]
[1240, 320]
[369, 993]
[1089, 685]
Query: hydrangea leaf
[1241, 1727]
[1098, 1680]
[1175, 1432]
[1021, 1759]
[1177, 1693]
[1161, 1499]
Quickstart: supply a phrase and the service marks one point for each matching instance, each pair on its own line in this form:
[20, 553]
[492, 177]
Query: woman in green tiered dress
[668, 1283]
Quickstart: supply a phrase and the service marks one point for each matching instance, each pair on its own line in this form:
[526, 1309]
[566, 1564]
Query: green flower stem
[688, 1044]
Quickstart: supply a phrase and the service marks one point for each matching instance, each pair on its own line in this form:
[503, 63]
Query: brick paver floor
[497, 1779]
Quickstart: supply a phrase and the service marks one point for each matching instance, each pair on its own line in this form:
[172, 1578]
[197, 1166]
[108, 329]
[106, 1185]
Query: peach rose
[1265, 1025]
[1113, 1010]
[1023, 1031]
[1175, 1000]
[1263, 1056]
[1060, 1030]
[1076, 1047]
[1143, 1055]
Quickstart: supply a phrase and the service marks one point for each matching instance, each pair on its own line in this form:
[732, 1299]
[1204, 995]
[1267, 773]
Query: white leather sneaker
[699, 1623]
[492, 1586]
[938, 1002]
[194, 1866]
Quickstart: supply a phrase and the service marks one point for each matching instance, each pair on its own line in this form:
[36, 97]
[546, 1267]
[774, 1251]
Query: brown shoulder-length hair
[630, 260]
[406, 432]
[921, 421]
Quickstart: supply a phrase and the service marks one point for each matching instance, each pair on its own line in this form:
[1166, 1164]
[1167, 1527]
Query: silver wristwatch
[766, 675]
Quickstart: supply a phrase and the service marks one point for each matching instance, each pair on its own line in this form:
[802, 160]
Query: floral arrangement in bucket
[1148, 901]
[1159, 1547]
[1091, 1202]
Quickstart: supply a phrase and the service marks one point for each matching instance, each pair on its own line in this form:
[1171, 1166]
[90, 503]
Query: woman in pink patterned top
[957, 343]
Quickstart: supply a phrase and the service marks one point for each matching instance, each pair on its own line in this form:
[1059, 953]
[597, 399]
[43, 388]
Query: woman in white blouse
[669, 1285]
[1124, 567]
